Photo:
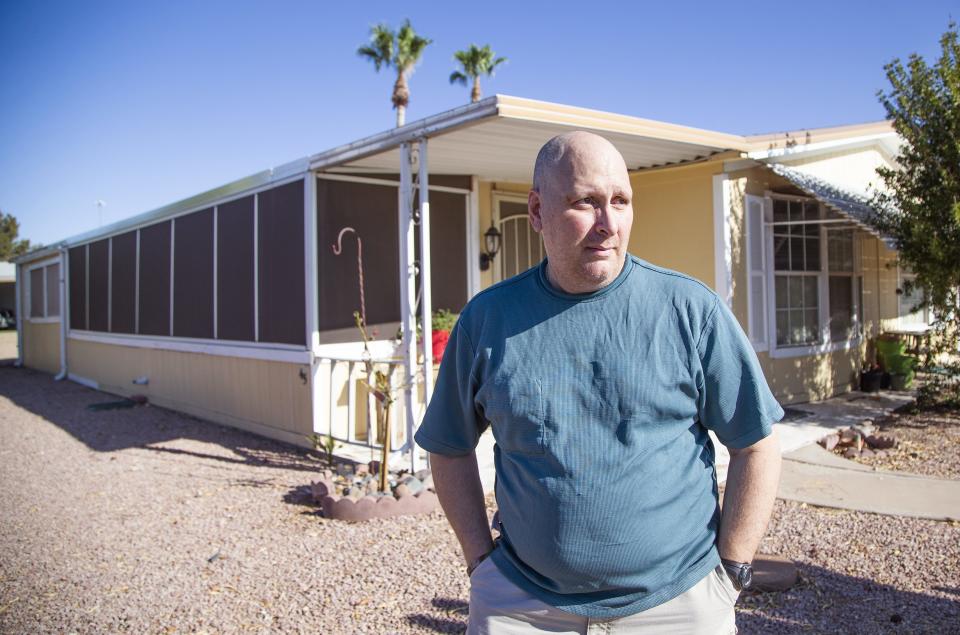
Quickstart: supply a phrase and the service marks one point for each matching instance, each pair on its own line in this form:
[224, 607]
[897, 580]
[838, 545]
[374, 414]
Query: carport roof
[498, 139]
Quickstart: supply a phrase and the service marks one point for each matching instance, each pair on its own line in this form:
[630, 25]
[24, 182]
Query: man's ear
[534, 208]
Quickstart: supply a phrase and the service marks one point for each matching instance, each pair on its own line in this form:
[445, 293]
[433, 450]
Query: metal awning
[497, 139]
[852, 206]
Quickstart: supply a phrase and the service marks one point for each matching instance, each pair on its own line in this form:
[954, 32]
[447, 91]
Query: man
[600, 375]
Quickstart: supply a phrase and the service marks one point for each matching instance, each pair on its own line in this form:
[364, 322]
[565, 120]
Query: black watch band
[740, 572]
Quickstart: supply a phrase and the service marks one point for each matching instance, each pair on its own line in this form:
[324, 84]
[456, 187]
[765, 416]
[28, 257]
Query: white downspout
[18, 289]
[64, 315]
[426, 301]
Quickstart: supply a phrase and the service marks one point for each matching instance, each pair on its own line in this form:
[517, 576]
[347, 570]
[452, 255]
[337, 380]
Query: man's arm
[752, 480]
[457, 481]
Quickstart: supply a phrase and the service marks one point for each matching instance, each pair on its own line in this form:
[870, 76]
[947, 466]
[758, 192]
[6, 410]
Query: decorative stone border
[368, 507]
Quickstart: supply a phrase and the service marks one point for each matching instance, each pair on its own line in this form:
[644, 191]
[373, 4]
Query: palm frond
[456, 77]
[380, 50]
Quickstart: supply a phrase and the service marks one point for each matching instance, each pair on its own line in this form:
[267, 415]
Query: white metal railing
[350, 407]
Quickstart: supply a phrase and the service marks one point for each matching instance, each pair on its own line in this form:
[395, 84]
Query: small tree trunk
[475, 93]
[401, 115]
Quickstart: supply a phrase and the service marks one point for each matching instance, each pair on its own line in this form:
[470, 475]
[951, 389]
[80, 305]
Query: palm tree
[401, 51]
[475, 62]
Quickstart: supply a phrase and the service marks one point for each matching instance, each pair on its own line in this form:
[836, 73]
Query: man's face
[584, 212]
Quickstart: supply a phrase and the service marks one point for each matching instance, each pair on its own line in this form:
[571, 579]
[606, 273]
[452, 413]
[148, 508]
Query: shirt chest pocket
[515, 412]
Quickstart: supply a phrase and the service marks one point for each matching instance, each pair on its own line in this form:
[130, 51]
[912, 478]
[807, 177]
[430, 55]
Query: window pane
[813, 254]
[796, 254]
[78, 287]
[781, 291]
[841, 308]
[155, 279]
[36, 293]
[235, 270]
[811, 326]
[99, 284]
[123, 281]
[810, 292]
[53, 290]
[783, 331]
[781, 253]
[281, 294]
[780, 211]
[795, 296]
[811, 211]
[840, 250]
[193, 275]
[797, 335]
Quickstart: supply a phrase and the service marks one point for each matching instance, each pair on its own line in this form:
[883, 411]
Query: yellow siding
[41, 345]
[269, 398]
[812, 377]
[673, 219]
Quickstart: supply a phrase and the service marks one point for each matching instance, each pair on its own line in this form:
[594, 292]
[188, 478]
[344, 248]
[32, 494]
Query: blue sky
[141, 104]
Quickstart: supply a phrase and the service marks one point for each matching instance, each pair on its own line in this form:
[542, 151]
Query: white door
[520, 247]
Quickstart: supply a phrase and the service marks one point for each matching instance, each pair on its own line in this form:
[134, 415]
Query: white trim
[64, 311]
[349, 178]
[86, 285]
[42, 263]
[310, 260]
[173, 236]
[216, 240]
[136, 287]
[18, 304]
[820, 349]
[256, 267]
[276, 353]
[251, 185]
[109, 284]
[473, 238]
[753, 271]
[83, 381]
[722, 249]
[43, 320]
[809, 149]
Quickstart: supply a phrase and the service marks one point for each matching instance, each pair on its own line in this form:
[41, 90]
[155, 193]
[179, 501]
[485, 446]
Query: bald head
[576, 145]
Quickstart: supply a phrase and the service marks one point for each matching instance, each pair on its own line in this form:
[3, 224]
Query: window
[816, 275]
[796, 261]
[43, 291]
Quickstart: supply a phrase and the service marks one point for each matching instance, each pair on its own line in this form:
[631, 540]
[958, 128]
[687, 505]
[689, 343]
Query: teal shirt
[600, 405]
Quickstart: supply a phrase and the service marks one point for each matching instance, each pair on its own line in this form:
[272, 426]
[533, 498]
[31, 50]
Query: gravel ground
[148, 521]
[928, 443]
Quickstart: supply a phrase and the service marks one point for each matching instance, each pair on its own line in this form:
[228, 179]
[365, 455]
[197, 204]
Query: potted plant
[870, 379]
[441, 324]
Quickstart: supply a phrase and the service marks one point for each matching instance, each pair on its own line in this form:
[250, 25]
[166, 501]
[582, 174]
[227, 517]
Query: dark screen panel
[448, 248]
[281, 270]
[193, 275]
[123, 283]
[155, 279]
[235, 270]
[99, 283]
[36, 293]
[78, 287]
[52, 273]
[372, 211]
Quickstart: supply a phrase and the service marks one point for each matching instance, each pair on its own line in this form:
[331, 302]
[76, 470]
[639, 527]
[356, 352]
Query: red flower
[439, 344]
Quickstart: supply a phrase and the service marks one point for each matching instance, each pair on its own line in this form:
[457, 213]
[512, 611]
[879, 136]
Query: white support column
[723, 252]
[426, 301]
[473, 238]
[312, 301]
[408, 347]
[62, 290]
[18, 302]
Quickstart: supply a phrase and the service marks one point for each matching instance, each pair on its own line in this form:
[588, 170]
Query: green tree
[475, 63]
[400, 51]
[10, 246]
[920, 206]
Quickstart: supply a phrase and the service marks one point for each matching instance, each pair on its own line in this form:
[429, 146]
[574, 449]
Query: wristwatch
[476, 563]
[740, 572]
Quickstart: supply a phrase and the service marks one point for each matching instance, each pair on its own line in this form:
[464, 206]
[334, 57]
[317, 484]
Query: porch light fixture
[491, 245]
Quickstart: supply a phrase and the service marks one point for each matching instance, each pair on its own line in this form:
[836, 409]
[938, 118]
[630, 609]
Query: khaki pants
[499, 607]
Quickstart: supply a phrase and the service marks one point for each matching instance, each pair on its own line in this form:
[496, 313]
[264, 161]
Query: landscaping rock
[401, 490]
[414, 484]
[866, 453]
[882, 442]
[830, 441]
[773, 573]
[850, 453]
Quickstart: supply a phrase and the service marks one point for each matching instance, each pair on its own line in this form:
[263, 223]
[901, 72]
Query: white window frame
[46, 319]
[826, 344]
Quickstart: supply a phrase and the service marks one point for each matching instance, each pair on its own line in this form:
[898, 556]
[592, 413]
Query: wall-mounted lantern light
[491, 245]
